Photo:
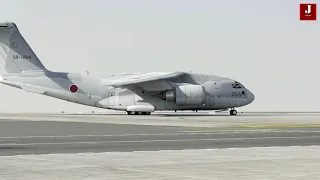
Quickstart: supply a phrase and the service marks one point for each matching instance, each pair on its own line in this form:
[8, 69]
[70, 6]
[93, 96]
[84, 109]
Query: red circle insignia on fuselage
[73, 88]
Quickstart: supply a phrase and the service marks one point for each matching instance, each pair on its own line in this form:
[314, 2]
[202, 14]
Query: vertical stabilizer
[16, 52]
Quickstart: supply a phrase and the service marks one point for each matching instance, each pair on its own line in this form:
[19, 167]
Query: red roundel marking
[73, 88]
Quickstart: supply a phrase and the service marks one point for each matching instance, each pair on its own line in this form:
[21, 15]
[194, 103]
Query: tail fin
[16, 52]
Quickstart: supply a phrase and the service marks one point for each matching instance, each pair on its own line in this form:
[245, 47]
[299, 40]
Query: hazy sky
[262, 44]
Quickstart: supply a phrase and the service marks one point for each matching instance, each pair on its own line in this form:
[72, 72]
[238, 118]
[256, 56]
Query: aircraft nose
[250, 97]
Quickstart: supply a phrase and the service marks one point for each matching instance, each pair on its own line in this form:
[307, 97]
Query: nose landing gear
[233, 112]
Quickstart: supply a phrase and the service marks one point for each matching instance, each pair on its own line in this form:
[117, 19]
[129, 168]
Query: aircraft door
[94, 96]
[211, 100]
[111, 97]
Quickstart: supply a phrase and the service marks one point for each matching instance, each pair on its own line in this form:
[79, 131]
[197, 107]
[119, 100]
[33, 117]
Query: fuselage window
[243, 93]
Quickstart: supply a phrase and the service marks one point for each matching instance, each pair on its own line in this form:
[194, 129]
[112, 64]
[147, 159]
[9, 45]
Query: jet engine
[185, 95]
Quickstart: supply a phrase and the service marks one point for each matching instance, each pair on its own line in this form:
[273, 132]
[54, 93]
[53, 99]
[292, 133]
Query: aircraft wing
[144, 78]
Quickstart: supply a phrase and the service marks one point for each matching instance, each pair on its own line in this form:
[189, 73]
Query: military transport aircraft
[135, 93]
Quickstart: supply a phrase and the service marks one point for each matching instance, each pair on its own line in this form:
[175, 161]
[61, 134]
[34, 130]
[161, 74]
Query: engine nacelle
[186, 95]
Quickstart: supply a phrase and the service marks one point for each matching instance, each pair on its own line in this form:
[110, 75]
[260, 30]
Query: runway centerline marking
[278, 125]
[195, 132]
[229, 130]
[151, 141]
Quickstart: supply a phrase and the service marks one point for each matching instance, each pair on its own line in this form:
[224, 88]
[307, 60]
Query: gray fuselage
[94, 90]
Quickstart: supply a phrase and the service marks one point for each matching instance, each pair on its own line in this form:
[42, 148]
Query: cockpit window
[236, 86]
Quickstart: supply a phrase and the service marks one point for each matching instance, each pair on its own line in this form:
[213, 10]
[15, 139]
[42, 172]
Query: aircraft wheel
[146, 113]
[136, 113]
[233, 112]
[131, 112]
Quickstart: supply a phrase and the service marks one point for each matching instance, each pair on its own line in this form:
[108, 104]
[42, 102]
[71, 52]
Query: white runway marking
[202, 132]
[167, 174]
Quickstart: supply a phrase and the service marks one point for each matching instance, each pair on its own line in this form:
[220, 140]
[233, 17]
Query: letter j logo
[308, 12]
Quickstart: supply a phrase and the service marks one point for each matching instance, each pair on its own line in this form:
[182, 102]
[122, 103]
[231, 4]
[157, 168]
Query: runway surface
[269, 163]
[48, 137]
[119, 146]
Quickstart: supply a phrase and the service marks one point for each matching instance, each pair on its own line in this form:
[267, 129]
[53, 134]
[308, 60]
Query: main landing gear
[233, 112]
[138, 113]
